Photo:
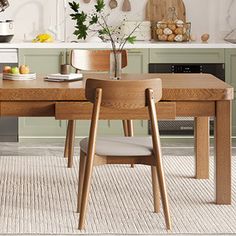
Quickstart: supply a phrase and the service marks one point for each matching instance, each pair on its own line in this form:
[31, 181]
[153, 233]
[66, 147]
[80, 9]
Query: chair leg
[156, 192]
[67, 140]
[128, 130]
[86, 189]
[125, 127]
[82, 164]
[71, 140]
[163, 189]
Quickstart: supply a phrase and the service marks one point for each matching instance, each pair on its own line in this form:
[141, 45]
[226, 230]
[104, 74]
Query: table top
[175, 87]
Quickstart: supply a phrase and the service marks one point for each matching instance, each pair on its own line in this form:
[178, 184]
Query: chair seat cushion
[120, 146]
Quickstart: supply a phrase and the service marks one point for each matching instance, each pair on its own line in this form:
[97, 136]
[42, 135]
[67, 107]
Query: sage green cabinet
[42, 61]
[49, 61]
[41, 127]
[230, 67]
[186, 56]
[137, 61]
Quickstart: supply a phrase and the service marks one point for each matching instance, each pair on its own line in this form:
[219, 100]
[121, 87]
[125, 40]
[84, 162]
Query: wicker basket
[172, 31]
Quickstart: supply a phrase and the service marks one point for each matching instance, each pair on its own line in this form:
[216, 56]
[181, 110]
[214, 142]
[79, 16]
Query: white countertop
[136, 45]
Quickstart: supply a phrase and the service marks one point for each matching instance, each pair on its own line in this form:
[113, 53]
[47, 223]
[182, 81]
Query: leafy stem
[96, 21]
[131, 39]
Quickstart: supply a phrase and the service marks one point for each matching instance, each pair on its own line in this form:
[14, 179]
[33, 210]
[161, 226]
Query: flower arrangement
[97, 22]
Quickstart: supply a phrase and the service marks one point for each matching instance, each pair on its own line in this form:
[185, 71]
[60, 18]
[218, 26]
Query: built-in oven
[185, 125]
[8, 125]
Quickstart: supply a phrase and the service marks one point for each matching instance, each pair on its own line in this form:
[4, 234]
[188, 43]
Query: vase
[115, 65]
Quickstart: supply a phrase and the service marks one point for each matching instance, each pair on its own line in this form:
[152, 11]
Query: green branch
[97, 22]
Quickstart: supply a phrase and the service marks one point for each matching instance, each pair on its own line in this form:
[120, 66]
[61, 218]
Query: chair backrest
[94, 60]
[123, 94]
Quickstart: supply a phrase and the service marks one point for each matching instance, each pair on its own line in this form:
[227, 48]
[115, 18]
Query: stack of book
[60, 77]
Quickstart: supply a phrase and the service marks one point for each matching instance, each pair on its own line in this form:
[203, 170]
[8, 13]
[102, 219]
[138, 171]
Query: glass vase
[115, 65]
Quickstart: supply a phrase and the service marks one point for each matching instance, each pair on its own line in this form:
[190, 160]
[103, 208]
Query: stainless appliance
[185, 125]
[8, 125]
[6, 31]
[7, 26]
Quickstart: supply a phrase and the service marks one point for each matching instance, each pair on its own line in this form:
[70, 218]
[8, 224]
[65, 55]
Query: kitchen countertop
[136, 45]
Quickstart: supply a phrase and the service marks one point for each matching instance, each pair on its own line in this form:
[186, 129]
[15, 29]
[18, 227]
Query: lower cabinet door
[111, 127]
[48, 61]
[38, 127]
[42, 61]
[230, 59]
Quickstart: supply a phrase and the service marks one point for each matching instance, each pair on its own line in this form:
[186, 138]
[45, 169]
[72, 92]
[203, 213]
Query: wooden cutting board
[157, 10]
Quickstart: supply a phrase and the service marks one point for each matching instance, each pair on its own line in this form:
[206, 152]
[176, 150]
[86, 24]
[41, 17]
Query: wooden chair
[91, 60]
[126, 96]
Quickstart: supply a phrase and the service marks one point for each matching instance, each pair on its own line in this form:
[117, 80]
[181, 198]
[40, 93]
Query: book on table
[61, 77]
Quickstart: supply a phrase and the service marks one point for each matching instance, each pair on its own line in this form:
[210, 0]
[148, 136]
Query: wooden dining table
[184, 95]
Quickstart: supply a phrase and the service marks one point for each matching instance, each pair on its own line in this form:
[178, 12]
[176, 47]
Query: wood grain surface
[157, 10]
[223, 149]
[177, 87]
[202, 147]
[124, 94]
[94, 60]
[83, 111]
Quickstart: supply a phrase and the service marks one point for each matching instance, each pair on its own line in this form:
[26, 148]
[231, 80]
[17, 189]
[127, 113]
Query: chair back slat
[124, 94]
[94, 60]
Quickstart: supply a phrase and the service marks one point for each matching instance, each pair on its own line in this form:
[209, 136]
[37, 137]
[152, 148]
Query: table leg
[71, 141]
[201, 133]
[223, 152]
[130, 129]
[125, 127]
[66, 149]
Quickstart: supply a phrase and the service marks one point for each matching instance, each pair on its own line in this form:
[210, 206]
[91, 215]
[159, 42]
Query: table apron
[195, 108]
[82, 110]
[165, 110]
[27, 109]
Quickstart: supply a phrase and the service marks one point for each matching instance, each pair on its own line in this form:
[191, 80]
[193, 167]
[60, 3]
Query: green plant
[97, 21]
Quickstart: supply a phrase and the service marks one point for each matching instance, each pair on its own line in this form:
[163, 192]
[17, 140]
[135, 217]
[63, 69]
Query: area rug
[38, 196]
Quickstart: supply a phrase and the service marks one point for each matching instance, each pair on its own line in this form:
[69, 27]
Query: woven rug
[38, 196]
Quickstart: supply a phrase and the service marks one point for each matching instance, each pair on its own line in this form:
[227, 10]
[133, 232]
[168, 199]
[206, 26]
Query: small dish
[19, 77]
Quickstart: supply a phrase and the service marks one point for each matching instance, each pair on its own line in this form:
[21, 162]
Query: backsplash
[31, 17]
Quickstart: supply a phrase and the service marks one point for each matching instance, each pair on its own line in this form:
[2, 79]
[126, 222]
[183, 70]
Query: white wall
[37, 16]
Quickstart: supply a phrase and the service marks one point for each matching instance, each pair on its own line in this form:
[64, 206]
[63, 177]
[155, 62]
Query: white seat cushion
[120, 146]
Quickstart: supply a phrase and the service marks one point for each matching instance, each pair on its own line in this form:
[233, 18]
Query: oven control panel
[186, 69]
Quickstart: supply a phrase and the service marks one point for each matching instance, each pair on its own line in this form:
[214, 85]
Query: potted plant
[97, 22]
